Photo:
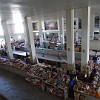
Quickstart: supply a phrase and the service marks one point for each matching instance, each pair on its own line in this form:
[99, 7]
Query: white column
[28, 23]
[85, 36]
[63, 33]
[7, 39]
[61, 28]
[40, 32]
[26, 32]
[26, 37]
[41, 38]
[92, 21]
[59, 37]
[44, 36]
[70, 37]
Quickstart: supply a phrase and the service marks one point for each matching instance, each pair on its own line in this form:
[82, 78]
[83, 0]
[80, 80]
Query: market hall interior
[52, 44]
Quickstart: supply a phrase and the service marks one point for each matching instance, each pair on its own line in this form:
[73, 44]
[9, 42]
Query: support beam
[26, 35]
[85, 35]
[40, 33]
[61, 28]
[7, 39]
[70, 37]
[30, 36]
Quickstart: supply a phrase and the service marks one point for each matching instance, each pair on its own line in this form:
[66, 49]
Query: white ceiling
[45, 8]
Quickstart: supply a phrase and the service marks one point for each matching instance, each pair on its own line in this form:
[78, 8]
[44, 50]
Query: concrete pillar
[85, 35]
[70, 37]
[41, 38]
[44, 36]
[59, 36]
[92, 21]
[28, 24]
[40, 33]
[61, 28]
[63, 33]
[26, 37]
[7, 39]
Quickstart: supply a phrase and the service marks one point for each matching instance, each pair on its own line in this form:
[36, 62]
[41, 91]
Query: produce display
[49, 78]
[5, 61]
[85, 88]
[56, 80]
[90, 86]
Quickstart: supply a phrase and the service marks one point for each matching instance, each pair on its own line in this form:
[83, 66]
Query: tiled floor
[15, 87]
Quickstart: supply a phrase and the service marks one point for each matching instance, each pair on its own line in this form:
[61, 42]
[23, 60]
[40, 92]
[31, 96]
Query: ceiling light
[47, 33]
[19, 37]
[37, 34]
[17, 17]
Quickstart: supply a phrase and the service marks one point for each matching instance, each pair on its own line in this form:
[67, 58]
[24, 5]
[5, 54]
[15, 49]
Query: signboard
[51, 25]
[35, 26]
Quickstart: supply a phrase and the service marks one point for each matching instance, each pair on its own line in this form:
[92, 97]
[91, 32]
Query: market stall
[86, 91]
[55, 80]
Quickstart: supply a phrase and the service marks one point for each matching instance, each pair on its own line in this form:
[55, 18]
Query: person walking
[26, 58]
[59, 54]
[95, 58]
[72, 83]
[42, 52]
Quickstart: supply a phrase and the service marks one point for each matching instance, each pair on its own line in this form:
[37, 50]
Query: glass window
[18, 28]
[96, 22]
[1, 30]
[79, 24]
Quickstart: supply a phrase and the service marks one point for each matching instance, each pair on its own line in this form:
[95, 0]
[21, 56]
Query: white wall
[16, 36]
[95, 44]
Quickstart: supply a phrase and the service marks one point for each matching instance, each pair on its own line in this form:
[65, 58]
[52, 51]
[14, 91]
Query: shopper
[92, 75]
[78, 67]
[98, 60]
[76, 44]
[95, 57]
[42, 52]
[72, 83]
[65, 93]
[59, 54]
[26, 59]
